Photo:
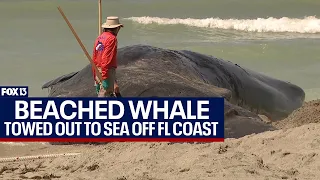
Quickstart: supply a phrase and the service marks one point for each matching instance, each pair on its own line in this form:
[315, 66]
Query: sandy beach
[261, 56]
[288, 153]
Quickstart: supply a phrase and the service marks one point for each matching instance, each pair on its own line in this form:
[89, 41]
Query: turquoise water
[279, 38]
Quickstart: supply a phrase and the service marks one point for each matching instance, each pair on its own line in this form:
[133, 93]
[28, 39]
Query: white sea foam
[306, 25]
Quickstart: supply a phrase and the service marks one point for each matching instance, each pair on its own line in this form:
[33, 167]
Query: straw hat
[112, 22]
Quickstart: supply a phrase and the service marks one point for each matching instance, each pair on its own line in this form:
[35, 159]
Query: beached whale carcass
[151, 71]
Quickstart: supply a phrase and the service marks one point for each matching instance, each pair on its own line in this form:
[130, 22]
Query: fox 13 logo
[14, 91]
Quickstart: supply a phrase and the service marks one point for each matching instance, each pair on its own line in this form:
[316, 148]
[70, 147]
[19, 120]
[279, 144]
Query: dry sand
[289, 153]
[308, 113]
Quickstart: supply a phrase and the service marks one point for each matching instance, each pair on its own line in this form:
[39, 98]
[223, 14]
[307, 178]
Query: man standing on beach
[105, 57]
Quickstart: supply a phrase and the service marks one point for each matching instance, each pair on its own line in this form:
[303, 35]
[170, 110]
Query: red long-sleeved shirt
[105, 53]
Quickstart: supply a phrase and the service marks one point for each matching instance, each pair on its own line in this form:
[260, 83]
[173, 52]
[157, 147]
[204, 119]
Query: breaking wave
[309, 24]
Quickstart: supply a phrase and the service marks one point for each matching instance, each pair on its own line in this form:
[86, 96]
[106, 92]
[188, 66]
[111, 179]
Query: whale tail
[58, 80]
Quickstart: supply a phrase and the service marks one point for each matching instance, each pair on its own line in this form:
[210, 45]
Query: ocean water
[280, 38]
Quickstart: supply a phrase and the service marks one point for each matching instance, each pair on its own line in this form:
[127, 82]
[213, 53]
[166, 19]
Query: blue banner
[112, 119]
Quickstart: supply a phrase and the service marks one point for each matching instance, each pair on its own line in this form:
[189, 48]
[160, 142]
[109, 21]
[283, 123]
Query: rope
[13, 159]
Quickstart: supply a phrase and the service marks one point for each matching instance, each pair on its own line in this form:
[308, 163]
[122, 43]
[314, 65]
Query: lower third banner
[112, 119]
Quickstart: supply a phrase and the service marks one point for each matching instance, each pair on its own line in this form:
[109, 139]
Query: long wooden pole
[82, 46]
[100, 17]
